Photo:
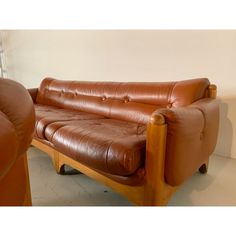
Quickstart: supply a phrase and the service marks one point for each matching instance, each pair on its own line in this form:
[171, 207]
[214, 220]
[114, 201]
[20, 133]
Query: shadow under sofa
[141, 139]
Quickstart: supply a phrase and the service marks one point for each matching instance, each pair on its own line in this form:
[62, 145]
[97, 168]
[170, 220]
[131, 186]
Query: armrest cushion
[17, 106]
[191, 137]
[33, 93]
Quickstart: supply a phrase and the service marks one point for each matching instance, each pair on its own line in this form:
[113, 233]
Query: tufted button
[104, 98]
[126, 99]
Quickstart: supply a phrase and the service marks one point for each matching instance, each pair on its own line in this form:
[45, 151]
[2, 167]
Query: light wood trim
[28, 199]
[134, 193]
[43, 147]
[212, 91]
[157, 191]
[50, 151]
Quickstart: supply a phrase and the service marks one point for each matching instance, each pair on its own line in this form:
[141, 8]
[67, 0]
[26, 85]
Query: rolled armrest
[210, 110]
[191, 137]
[33, 93]
[17, 120]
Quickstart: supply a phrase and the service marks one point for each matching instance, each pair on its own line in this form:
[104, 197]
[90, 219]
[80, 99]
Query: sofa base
[154, 191]
[133, 193]
[156, 194]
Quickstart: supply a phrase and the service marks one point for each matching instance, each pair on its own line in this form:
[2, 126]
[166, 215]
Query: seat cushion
[113, 146]
[46, 115]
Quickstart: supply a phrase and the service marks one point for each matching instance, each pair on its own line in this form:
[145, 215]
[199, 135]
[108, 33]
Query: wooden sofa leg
[59, 168]
[157, 191]
[204, 168]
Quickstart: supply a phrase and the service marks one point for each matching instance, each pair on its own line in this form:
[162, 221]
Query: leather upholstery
[103, 124]
[8, 145]
[113, 146]
[16, 123]
[191, 138]
[49, 114]
[22, 117]
[33, 93]
[120, 100]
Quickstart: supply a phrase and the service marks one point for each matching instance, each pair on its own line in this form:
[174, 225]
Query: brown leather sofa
[17, 120]
[141, 139]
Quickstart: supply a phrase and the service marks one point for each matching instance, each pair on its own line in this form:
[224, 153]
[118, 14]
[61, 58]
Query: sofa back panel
[132, 111]
[154, 93]
[90, 104]
[128, 101]
[51, 92]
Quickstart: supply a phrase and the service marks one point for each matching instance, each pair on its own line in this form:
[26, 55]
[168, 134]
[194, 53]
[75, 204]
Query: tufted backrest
[127, 101]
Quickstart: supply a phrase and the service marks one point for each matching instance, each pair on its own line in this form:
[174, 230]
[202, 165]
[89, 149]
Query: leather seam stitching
[170, 93]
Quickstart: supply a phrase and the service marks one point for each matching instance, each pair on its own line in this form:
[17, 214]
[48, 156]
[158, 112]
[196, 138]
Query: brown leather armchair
[17, 119]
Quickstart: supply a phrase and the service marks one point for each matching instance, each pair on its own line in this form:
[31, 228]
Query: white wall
[131, 56]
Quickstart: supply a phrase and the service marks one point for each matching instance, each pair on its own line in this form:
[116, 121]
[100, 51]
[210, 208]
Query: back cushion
[127, 101]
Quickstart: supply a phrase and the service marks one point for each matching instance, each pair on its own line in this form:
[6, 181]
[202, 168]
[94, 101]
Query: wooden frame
[154, 191]
[147, 194]
[133, 193]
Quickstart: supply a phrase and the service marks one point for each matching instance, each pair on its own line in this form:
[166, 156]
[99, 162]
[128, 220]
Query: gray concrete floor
[217, 187]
